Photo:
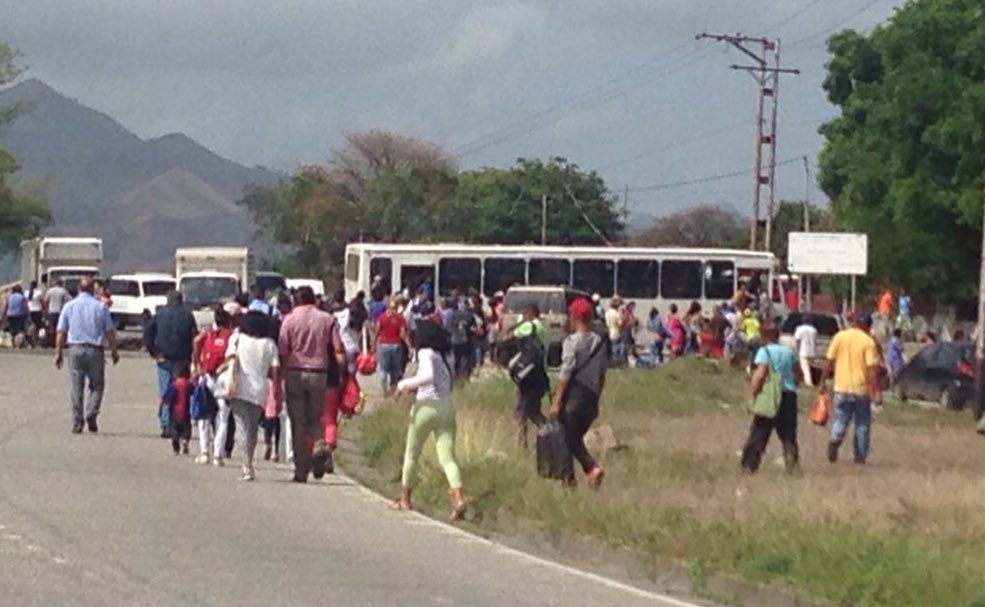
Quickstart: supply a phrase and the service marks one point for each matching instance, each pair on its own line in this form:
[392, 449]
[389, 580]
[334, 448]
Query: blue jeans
[390, 358]
[846, 407]
[657, 352]
[164, 369]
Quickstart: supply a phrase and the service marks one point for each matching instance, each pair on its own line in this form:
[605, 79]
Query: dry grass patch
[908, 529]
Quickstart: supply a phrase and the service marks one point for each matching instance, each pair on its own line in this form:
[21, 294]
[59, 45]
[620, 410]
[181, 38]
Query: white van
[133, 294]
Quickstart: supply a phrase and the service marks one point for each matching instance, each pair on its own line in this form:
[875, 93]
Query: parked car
[135, 294]
[553, 304]
[942, 373]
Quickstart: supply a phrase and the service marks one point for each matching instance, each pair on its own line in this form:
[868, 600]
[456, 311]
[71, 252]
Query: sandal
[399, 504]
[458, 512]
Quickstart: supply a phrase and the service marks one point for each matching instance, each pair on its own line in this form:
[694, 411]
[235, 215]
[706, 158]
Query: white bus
[651, 277]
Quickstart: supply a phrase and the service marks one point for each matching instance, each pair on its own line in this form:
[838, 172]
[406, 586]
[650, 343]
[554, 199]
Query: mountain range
[144, 197]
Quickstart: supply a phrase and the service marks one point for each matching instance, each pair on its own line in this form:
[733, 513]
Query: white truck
[49, 258]
[137, 294]
[210, 275]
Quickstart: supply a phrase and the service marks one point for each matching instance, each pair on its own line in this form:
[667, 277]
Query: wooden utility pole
[767, 77]
[543, 219]
[980, 326]
[808, 291]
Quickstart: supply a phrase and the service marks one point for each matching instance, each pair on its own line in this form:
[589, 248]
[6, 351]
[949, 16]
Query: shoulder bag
[766, 403]
[225, 382]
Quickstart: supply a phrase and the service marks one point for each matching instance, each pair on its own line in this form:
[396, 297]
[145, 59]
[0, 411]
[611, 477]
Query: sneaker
[218, 462]
[860, 461]
[268, 452]
[202, 459]
[329, 463]
[184, 448]
[76, 428]
[249, 474]
[319, 462]
[833, 452]
[91, 422]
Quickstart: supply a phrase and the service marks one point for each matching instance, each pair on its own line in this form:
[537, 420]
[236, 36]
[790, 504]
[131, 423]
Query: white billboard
[828, 253]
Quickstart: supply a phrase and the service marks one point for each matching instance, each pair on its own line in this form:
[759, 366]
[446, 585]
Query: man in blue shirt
[86, 327]
[16, 313]
[168, 338]
[259, 303]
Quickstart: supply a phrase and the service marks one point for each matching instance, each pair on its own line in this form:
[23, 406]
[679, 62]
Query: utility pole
[543, 219]
[808, 294]
[764, 52]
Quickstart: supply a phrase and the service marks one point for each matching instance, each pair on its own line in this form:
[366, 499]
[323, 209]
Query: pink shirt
[307, 337]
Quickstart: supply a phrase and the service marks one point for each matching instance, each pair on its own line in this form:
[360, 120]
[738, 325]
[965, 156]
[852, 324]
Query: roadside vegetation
[908, 529]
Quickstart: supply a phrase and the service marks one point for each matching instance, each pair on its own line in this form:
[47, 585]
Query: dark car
[942, 373]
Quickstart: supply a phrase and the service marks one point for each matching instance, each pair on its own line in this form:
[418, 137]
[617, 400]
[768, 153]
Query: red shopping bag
[350, 396]
[821, 409]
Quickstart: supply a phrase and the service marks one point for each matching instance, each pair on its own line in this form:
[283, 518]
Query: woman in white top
[432, 413]
[256, 360]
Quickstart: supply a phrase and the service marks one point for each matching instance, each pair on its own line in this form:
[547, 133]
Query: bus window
[719, 280]
[680, 280]
[637, 278]
[595, 276]
[352, 267]
[547, 271]
[382, 267]
[502, 273]
[414, 277]
[463, 273]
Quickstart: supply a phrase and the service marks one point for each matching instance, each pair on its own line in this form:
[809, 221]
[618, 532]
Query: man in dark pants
[168, 339]
[86, 327]
[771, 357]
[530, 393]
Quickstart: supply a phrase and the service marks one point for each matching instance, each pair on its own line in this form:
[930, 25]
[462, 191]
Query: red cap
[581, 309]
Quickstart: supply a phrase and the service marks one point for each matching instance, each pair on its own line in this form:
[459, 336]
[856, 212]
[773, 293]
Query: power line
[672, 146]
[708, 179]
[606, 91]
[794, 15]
[584, 216]
[831, 29]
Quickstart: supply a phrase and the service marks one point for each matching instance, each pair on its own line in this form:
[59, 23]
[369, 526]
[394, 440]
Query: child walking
[272, 408]
[177, 399]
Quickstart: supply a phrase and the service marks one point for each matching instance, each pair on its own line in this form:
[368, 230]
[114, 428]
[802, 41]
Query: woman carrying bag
[774, 392]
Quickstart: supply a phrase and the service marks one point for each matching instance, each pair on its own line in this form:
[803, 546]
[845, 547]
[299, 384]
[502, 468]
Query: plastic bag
[820, 409]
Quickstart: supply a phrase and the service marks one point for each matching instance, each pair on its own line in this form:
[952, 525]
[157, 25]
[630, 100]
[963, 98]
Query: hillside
[143, 197]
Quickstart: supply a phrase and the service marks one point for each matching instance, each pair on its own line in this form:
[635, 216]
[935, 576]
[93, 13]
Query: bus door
[414, 274]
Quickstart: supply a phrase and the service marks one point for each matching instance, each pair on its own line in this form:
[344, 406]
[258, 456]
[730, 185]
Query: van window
[502, 273]
[158, 288]
[382, 267]
[124, 287]
[352, 267]
[595, 276]
[719, 280]
[638, 278]
[547, 271]
[680, 280]
[463, 273]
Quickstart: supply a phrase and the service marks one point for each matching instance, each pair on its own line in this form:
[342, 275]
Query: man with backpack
[528, 369]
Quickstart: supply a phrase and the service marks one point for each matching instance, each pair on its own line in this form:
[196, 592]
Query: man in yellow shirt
[854, 359]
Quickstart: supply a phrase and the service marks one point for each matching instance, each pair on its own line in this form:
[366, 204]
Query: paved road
[116, 519]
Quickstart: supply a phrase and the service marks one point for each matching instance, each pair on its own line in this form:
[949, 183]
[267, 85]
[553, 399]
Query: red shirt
[181, 393]
[390, 326]
[307, 337]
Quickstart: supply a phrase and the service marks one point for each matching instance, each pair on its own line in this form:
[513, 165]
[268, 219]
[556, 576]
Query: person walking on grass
[853, 359]
[582, 377]
[531, 391]
[391, 336]
[86, 328]
[657, 333]
[806, 336]
[432, 413]
[256, 360]
[772, 358]
[308, 339]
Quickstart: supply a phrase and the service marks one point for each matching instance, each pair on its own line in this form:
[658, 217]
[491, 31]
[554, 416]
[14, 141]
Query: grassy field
[907, 529]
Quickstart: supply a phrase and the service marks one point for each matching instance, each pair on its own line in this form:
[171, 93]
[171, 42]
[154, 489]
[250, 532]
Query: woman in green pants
[432, 413]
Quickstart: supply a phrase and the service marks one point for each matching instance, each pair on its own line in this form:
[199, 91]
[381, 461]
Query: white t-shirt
[35, 300]
[433, 379]
[806, 336]
[255, 357]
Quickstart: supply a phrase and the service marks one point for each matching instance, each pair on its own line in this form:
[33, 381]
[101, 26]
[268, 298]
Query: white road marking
[418, 519]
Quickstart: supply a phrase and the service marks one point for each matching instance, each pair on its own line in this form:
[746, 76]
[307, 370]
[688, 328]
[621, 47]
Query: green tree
[904, 159]
[504, 206]
[22, 214]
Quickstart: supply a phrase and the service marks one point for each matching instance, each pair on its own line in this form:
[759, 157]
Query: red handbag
[350, 396]
[366, 361]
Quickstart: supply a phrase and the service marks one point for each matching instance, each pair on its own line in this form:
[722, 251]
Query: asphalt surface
[116, 519]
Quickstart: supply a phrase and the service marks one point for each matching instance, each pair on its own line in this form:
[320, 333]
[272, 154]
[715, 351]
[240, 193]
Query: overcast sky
[615, 85]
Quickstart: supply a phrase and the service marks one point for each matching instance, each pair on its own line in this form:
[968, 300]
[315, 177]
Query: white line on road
[418, 519]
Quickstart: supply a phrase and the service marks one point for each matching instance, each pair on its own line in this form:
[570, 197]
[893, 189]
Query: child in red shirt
[178, 399]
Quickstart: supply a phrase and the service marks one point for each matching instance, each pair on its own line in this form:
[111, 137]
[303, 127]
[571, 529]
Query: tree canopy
[904, 159]
[22, 214]
[383, 187]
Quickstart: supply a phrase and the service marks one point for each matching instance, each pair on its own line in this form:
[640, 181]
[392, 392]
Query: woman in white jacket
[432, 413]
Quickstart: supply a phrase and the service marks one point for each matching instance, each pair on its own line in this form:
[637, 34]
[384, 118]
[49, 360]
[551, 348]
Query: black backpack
[526, 365]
